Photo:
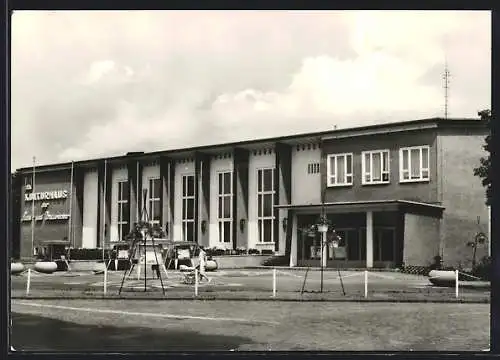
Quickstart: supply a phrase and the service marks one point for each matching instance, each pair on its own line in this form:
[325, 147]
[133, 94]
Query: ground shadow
[34, 333]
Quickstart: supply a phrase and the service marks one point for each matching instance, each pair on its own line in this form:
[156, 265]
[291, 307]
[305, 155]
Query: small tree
[483, 171]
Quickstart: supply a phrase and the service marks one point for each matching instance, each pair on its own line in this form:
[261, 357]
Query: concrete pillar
[369, 239]
[293, 247]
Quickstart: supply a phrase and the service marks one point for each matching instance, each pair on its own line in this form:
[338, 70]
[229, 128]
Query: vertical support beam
[77, 223]
[202, 184]
[283, 196]
[369, 239]
[100, 203]
[171, 197]
[104, 202]
[293, 247]
[240, 196]
[167, 166]
[135, 185]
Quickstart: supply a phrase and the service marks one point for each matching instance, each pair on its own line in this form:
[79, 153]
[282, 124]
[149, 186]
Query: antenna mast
[446, 78]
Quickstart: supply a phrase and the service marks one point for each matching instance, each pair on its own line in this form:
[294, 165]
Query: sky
[87, 84]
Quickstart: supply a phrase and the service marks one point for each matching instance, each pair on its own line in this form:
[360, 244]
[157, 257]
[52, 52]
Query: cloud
[112, 82]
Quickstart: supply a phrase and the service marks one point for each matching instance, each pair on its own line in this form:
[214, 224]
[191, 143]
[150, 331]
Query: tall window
[375, 165]
[225, 213]
[339, 169]
[154, 195]
[188, 196]
[123, 210]
[265, 204]
[414, 164]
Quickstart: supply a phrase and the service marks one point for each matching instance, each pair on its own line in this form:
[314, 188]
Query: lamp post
[323, 228]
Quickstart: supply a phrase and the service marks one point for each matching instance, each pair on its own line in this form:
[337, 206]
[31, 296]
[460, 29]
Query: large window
[188, 196]
[339, 169]
[225, 214]
[154, 201]
[123, 210]
[375, 167]
[265, 204]
[414, 164]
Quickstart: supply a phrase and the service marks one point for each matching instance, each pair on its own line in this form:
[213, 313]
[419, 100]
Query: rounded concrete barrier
[211, 265]
[16, 268]
[444, 278]
[46, 267]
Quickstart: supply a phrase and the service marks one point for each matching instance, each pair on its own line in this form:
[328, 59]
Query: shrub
[90, 254]
[253, 252]
[277, 260]
[483, 269]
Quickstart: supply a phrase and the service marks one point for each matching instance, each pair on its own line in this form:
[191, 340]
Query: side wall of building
[421, 244]
[462, 195]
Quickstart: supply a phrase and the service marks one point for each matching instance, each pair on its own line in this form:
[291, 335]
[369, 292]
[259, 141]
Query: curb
[270, 299]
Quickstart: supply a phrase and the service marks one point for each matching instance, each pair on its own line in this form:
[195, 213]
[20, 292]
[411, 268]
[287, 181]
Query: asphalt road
[128, 325]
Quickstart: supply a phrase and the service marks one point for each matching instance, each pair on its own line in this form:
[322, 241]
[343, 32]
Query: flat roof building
[397, 194]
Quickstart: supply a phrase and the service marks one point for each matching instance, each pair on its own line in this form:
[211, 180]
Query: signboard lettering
[46, 195]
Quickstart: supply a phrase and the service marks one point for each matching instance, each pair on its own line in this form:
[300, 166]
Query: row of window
[375, 166]
[265, 201]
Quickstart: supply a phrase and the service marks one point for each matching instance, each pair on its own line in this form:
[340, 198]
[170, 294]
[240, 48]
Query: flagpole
[104, 209]
[70, 222]
[33, 208]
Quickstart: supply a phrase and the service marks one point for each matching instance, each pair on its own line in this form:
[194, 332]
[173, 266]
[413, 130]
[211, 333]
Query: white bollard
[28, 283]
[274, 282]
[138, 271]
[195, 282]
[366, 283]
[456, 284]
[105, 280]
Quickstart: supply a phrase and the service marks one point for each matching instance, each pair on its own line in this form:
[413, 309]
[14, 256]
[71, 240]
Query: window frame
[402, 171]
[381, 152]
[329, 175]
[152, 200]
[221, 196]
[185, 198]
[122, 199]
[261, 219]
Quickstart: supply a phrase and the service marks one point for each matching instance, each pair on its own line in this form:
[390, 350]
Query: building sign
[46, 217]
[47, 195]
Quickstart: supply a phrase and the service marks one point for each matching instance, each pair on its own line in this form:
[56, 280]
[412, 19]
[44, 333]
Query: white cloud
[123, 81]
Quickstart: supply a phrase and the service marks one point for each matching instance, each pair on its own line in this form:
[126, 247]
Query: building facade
[397, 194]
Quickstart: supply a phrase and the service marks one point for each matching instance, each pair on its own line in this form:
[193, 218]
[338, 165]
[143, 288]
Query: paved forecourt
[252, 283]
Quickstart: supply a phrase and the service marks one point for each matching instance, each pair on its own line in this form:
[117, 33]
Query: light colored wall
[421, 239]
[90, 190]
[267, 160]
[306, 188]
[217, 165]
[118, 174]
[181, 168]
[463, 196]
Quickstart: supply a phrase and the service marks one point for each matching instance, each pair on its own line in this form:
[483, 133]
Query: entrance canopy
[414, 207]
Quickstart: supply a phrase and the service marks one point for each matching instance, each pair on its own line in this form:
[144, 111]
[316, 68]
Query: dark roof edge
[361, 202]
[440, 122]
